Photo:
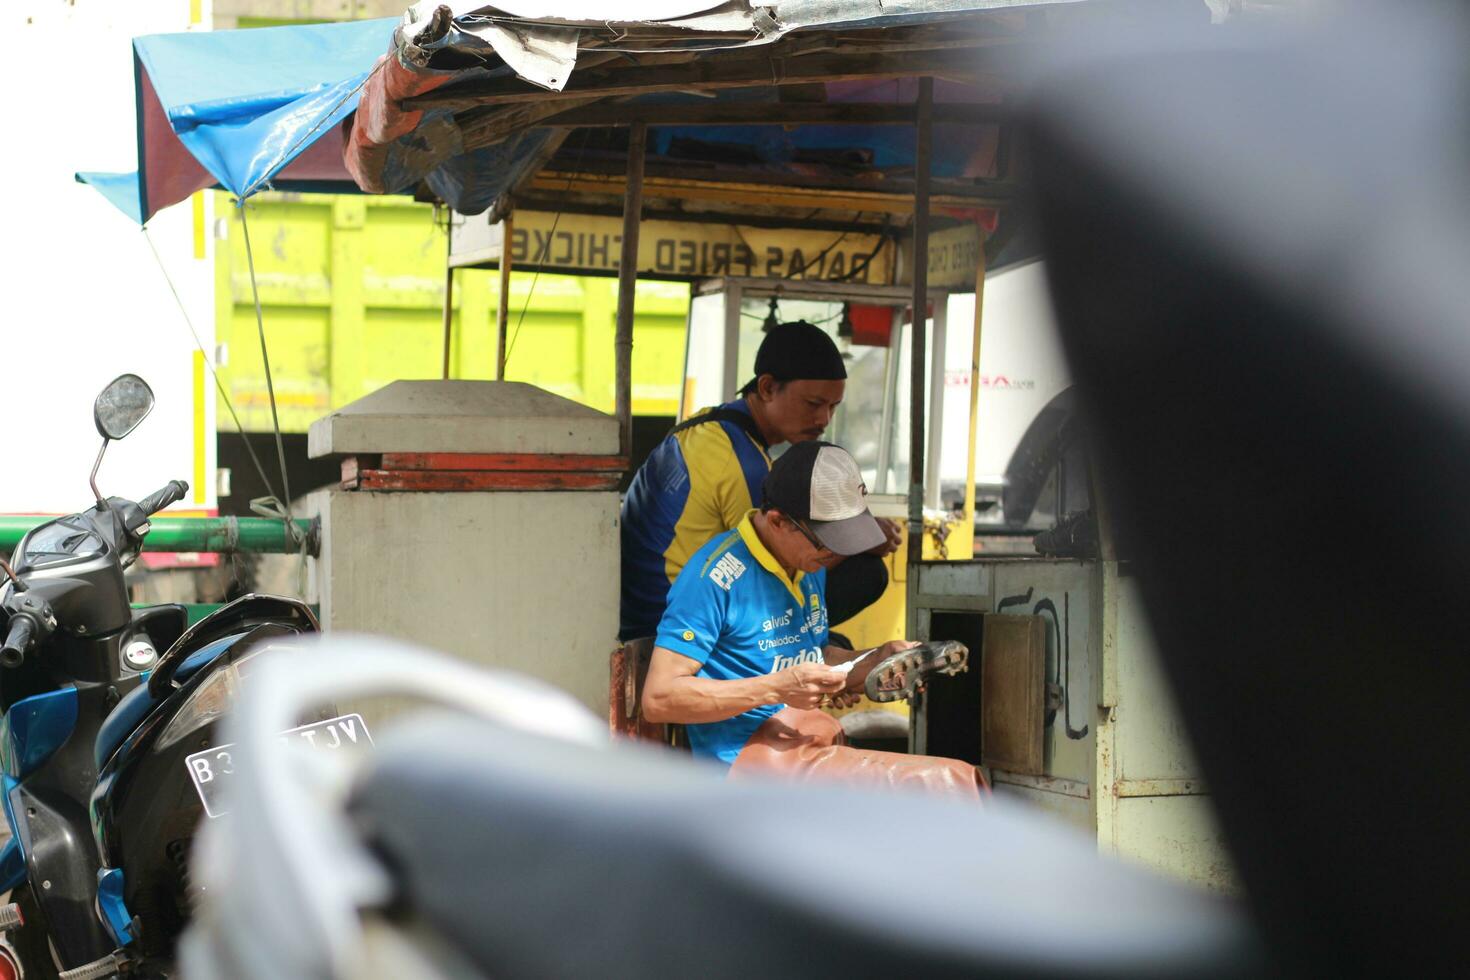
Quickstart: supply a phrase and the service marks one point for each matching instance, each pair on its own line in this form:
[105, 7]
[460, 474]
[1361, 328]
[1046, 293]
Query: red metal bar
[503, 461]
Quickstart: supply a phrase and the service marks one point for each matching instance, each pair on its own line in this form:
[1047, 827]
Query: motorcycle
[501, 832]
[110, 759]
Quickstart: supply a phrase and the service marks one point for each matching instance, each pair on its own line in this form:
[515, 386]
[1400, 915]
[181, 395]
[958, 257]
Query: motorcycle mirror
[124, 403]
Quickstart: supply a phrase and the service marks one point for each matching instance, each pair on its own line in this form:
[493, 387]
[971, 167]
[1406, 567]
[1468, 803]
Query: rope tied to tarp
[208, 361]
[270, 506]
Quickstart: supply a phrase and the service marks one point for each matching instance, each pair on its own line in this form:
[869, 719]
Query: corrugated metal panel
[352, 290]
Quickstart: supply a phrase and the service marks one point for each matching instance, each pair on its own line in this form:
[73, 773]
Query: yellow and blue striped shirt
[698, 483]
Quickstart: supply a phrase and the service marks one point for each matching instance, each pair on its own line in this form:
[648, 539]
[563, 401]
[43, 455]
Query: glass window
[899, 425]
[704, 364]
[858, 424]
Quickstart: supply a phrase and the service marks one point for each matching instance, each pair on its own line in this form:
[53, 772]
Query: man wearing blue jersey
[741, 656]
[707, 473]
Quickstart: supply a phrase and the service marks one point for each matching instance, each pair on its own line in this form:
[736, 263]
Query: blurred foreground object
[1258, 245]
[507, 837]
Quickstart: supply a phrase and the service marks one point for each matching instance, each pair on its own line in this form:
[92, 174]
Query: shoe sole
[917, 664]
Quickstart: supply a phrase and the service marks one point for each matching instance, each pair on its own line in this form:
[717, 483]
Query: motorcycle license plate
[211, 769]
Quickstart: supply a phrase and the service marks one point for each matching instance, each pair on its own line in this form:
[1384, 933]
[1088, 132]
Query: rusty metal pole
[627, 281]
[448, 291]
[917, 366]
[502, 312]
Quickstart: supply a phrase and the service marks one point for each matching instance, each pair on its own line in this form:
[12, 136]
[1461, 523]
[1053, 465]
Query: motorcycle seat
[137, 703]
[537, 858]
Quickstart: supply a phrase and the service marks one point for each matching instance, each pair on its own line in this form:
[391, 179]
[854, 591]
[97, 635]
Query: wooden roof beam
[711, 74]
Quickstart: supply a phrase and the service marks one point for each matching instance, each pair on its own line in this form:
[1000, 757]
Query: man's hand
[894, 532]
[805, 685]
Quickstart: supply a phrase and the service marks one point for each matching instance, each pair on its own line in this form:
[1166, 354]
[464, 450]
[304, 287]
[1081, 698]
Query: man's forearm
[857, 673]
[835, 655]
[697, 700]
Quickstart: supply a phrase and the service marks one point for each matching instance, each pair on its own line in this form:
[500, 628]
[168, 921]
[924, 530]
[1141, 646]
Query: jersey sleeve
[720, 476]
[754, 464]
[733, 498]
[695, 615]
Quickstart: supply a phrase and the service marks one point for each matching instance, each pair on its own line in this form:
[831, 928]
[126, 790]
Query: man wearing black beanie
[707, 474]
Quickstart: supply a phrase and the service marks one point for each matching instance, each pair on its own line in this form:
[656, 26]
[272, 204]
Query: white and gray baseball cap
[820, 485]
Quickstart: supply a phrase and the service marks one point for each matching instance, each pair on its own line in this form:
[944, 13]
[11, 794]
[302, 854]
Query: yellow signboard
[593, 243]
[954, 257]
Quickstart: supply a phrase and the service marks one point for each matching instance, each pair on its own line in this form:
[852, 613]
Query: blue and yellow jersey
[736, 611]
[698, 483]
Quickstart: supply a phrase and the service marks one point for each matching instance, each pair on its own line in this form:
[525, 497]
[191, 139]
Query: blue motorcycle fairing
[128, 743]
[12, 865]
[52, 832]
[134, 707]
[111, 908]
[34, 728]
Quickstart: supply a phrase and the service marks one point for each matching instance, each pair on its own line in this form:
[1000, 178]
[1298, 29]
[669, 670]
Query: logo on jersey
[726, 571]
[810, 656]
[817, 619]
[688, 636]
[776, 622]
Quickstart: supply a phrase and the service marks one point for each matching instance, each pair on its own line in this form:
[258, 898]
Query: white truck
[1023, 378]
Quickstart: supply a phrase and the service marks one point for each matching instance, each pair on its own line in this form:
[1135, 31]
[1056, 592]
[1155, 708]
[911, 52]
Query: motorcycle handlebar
[158, 500]
[13, 653]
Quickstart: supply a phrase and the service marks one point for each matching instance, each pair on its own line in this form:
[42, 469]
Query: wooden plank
[502, 300]
[454, 481]
[709, 73]
[1013, 693]
[924, 140]
[627, 280]
[533, 462]
[448, 291]
[745, 214]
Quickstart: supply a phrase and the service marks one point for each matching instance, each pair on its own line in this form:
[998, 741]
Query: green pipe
[226, 535]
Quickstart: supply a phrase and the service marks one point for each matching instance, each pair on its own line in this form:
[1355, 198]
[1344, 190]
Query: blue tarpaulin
[235, 109]
[247, 109]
